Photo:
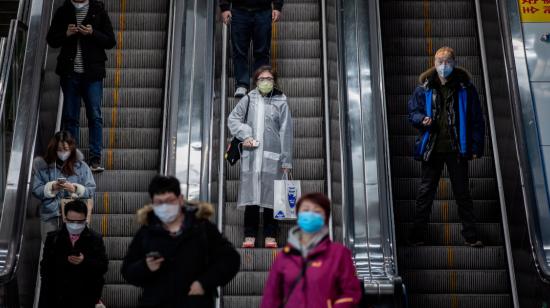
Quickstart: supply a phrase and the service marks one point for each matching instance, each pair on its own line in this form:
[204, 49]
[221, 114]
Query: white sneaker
[240, 92]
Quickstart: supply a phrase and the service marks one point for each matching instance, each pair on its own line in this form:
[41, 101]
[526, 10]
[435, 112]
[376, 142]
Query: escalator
[296, 55]
[132, 110]
[8, 11]
[445, 273]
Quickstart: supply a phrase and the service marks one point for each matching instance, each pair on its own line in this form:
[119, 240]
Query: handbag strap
[295, 284]
[247, 107]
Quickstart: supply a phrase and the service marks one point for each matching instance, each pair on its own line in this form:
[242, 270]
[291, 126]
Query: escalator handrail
[7, 61]
[526, 134]
[364, 152]
[167, 125]
[496, 155]
[24, 134]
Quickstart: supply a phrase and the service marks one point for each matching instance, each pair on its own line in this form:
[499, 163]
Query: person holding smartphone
[178, 256]
[83, 31]
[60, 173]
[74, 262]
[267, 152]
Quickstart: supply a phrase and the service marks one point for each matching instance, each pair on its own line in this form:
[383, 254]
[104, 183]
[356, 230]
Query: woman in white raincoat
[267, 152]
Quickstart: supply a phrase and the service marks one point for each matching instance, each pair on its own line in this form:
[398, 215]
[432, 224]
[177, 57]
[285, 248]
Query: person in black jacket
[83, 30]
[73, 263]
[250, 20]
[178, 257]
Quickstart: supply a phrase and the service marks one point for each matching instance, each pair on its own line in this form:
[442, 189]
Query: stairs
[447, 273]
[132, 115]
[298, 61]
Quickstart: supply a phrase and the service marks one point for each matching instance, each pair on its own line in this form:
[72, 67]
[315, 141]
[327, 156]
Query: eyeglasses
[265, 79]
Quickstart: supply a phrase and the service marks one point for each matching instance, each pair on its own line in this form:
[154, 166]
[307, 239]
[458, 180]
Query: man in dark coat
[251, 21]
[73, 263]
[178, 257]
[83, 30]
[446, 110]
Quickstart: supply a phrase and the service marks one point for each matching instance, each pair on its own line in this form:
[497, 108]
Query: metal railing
[24, 133]
[534, 184]
[368, 214]
[498, 173]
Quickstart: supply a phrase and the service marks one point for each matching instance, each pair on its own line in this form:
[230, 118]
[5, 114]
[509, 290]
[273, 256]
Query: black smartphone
[61, 180]
[154, 254]
[75, 253]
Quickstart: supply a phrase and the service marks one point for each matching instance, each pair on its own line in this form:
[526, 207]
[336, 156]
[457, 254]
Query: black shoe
[474, 243]
[95, 166]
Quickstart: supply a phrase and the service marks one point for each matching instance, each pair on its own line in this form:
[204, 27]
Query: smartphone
[75, 253]
[61, 180]
[255, 143]
[154, 254]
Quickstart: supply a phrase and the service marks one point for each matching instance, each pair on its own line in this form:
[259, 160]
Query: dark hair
[76, 206]
[318, 198]
[51, 151]
[265, 68]
[161, 184]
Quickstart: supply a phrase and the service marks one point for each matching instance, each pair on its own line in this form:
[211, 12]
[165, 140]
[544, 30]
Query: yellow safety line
[116, 90]
[104, 220]
[428, 31]
[274, 33]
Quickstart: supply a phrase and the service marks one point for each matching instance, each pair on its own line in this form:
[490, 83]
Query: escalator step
[305, 169]
[412, 46]
[410, 27]
[126, 202]
[127, 138]
[116, 247]
[480, 189]
[136, 78]
[115, 225]
[128, 117]
[133, 21]
[415, 65]
[124, 180]
[235, 301]
[457, 281]
[145, 6]
[247, 283]
[134, 97]
[449, 257]
[437, 9]
[449, 234]
[407, 166]
[121, 295]
[447, 211]
[137, 58]
[404, 145]
[127, 159]
[461, 300]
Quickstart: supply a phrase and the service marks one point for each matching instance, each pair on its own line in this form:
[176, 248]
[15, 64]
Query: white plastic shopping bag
[286, 194]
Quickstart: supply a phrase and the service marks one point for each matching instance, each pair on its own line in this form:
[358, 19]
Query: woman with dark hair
[267, 152]
[61, 173]
[312, 271]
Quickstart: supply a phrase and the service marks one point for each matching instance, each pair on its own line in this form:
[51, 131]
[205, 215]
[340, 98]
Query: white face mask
[166, 212]
[63, 155]
[79, 5]
[75, 228]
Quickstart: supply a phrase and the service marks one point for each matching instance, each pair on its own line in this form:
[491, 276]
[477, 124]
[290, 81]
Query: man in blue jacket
[250, 21]
[446, 110]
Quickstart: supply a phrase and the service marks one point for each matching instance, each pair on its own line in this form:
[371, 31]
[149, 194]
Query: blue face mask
[310, 222]
[444, 70]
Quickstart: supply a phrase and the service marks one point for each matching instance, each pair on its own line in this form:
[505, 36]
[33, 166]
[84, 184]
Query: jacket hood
[459, 74]
[295, 243]
[202, 210]
[39, 163]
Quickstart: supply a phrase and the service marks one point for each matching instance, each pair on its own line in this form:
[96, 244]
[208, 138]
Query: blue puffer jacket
[465, 121]
[44, 176]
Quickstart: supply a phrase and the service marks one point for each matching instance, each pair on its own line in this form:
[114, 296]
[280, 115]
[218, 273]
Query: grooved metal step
[446, 273]
[298, 50]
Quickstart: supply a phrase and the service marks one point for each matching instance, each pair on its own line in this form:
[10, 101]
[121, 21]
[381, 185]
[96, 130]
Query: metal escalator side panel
[24, 135]
[195, 100]
[531, 160]
[369, 232]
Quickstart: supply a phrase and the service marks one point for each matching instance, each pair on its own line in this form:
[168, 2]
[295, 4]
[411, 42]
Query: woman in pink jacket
[312, 271]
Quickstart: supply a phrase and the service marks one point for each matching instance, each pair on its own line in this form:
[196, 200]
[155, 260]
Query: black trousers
[252, 221]
[431, 173]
